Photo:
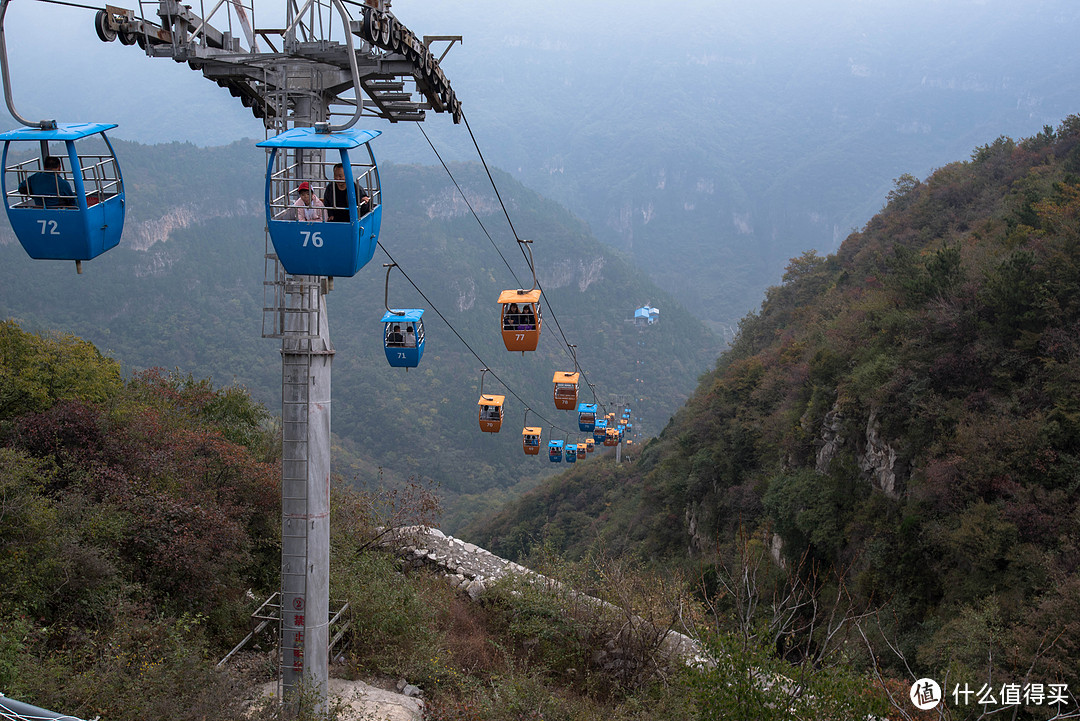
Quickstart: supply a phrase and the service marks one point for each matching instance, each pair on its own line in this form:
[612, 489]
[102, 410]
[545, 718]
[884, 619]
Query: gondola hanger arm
[327, 127]
[42, 124]
[532, 266]
[386, 294]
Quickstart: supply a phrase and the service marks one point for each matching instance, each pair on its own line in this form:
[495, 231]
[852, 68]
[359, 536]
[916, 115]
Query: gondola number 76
[315, 238]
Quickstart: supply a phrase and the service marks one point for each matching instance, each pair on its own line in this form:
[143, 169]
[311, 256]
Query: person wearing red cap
[308, 207]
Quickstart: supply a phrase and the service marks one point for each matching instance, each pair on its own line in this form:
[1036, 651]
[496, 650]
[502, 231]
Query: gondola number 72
[51, 225]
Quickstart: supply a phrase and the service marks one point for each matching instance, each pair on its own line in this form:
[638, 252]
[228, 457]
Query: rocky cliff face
[142, 234]
[876, 458]
[832, 437]
[571, 271]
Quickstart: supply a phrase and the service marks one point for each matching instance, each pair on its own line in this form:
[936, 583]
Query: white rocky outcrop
[472, 570]
[879, 459]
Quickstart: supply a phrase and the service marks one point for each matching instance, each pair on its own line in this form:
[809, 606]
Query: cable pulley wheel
[408, 47]
[126, 38]
[371, 26]
[395, 35]
[385, 26]
[101, 23]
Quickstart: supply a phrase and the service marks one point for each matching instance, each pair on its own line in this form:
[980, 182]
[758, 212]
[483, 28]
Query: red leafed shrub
[187, 547]
[67, 430]
[199, 502]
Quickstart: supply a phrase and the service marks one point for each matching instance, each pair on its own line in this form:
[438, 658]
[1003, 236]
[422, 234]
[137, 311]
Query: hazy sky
[60, 69]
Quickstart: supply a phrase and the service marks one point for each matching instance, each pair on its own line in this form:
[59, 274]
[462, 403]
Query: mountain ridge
[902, 412]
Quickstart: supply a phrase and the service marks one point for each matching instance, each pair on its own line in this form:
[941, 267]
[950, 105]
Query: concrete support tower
[328, 60]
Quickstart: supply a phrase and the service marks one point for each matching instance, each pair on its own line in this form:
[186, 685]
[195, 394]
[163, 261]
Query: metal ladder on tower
[295, 378]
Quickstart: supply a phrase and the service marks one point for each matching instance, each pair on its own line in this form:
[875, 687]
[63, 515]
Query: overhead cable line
[488, 170]
[476, 145]
[69, 4]
[465, 342]
[554, 316]
[471, 209]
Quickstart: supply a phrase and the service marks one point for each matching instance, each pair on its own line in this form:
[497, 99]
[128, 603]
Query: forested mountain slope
[905, 412]
[140, 530]
[134, 515]
[185, 290]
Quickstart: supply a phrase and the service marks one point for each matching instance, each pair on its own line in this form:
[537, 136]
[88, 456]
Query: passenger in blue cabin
[307, 207]
[395, 338]
[48, 187]
[336, 198]
[410, 337]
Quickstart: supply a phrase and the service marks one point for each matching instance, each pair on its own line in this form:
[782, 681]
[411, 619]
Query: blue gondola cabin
[491, 413]
[520, 319]
[586, 418]
[555, 451]
[323, 200]
[530, 440]
[403, 337]
[66, 200]
[571, 452]
[600, 431]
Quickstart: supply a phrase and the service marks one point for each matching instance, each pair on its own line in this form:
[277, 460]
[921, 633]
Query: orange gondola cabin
[566, 390]
[530, 440]
[520, 319]
[491, 413]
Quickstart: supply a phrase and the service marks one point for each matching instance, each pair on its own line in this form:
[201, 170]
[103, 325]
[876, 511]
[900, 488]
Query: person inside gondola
[336, 198]
[510, 320]
[47, 188]
[307, 207]
[410, 337]
[489, 413]
[395, 338]
[527, 321]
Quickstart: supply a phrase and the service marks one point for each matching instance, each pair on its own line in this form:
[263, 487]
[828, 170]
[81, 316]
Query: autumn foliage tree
[133, 516]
